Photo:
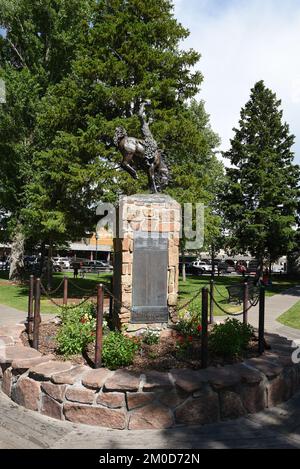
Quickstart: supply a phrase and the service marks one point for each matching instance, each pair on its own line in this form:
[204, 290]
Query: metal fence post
[204, 341]
[111, 304]
[261, 326]
[211, 303]
[37, 314]
[65, 301]
[99, 327]
[30, 305]
[245, 303]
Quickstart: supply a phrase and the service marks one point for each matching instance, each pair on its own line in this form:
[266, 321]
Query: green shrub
[189, 323]
[231, 338]
[118, 350]
[77, 329]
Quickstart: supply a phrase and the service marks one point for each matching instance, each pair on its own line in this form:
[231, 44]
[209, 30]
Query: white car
[63, 262]
[202, 266]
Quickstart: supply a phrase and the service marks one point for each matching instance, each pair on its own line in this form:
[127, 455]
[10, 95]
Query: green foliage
[261, 196]
[189, 323]
[150, 337]
[41, 39]
[77, 329]
[75, 70]
[184, 347]
[231, 338]
[118, 350]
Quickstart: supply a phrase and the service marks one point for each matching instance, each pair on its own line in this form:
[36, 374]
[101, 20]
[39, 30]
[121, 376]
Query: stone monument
[146, 245]
[146, 251]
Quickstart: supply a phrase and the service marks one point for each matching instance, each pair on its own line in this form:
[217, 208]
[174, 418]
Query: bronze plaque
[150, 280]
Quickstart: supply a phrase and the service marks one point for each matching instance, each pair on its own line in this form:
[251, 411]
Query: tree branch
[17, 52]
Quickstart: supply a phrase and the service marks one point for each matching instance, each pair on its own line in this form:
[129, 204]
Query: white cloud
[242, 42]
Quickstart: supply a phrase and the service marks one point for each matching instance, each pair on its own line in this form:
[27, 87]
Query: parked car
[225, 268]
[95, 266]
[252, 267]
[64, 262]
[201, 267]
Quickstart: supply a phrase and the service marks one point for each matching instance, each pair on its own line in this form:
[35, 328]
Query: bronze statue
[143, 154]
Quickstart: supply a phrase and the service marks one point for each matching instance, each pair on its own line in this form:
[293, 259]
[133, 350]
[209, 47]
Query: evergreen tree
[40, 40]
[262, 193]
[131, 54]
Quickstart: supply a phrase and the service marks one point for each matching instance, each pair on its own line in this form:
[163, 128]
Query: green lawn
[16, 296]
[292, 317]
[279, 284]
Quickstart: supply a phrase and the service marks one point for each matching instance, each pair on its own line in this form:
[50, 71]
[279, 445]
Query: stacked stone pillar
[153, 217]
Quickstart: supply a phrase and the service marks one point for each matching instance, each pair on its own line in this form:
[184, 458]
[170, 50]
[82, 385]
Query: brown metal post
[111, 304]
[204, 341]
[65, 301]
[245, 303]
[99, 327]
[30, 305]
[37, 314]
[211, 303]
[261, 325]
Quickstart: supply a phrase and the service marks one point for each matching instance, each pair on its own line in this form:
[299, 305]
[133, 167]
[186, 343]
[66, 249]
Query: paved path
[275, 306]
[275, 428]
[11, 316]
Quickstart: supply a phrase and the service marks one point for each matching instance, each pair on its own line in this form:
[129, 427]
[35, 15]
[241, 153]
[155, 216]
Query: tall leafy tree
[131, 54]
[40, 41]
[262, 193]
[197, 174]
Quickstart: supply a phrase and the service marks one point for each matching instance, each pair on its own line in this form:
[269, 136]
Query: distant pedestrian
[75, 271]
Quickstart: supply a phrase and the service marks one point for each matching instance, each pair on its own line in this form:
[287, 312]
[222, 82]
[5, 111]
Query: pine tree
[131, 54]
[262, 193]
[41, 39]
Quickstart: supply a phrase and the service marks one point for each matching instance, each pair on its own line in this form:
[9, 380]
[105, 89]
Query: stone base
[154, 217]
[150, 399]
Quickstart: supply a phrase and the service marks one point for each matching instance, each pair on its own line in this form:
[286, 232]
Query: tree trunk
[183, 266]
[49, 267]
[16, 271]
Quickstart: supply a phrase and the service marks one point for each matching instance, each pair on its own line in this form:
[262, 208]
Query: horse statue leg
[127, 167]
[151, 176]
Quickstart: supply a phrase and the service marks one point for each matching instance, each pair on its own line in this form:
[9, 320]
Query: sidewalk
[275, 306]
[274, 428]
[11, 316]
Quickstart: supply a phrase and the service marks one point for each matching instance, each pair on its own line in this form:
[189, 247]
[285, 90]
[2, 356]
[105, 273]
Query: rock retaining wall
[150, 400]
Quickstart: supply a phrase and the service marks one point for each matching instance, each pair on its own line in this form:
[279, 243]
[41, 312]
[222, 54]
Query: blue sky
[241, 42]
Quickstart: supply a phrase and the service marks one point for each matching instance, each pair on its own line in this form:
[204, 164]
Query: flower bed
[151, 399]
[73, 337]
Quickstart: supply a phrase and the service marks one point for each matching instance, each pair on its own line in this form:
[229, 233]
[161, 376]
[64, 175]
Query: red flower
[199, 328]
[180, 339]
[190, 338]
[83, 320]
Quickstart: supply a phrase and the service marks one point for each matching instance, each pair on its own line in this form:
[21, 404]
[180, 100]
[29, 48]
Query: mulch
[162, 356]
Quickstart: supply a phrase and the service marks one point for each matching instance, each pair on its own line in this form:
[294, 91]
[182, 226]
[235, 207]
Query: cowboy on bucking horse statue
[143, 154]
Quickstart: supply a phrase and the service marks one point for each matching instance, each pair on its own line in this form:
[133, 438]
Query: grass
[16, 296]
[279, 285]
[291, 317]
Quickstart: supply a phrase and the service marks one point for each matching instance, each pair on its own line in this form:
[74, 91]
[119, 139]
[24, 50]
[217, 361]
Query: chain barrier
[234, 314]
[51, 292]
[177, 310]
[85, 300]
[117, 300]
[219, 293]
[80, 288]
